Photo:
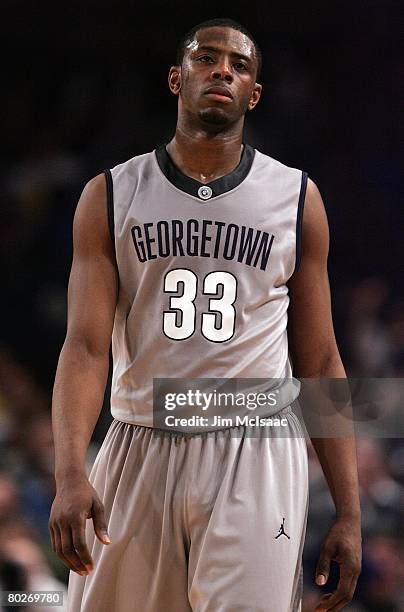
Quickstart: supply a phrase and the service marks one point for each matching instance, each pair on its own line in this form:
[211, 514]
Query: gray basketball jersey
[202, 273]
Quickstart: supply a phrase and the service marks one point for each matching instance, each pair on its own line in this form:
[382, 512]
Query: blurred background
[85, 88]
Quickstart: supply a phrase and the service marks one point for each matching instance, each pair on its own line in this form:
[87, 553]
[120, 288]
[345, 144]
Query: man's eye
[240, 66]
[203, 58]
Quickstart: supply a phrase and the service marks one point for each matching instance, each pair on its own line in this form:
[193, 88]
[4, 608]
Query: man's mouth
[222, 94]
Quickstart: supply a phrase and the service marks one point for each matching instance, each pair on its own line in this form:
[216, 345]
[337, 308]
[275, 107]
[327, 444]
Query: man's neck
[205, 157]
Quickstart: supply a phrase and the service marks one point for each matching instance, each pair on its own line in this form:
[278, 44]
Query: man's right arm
[81, 376]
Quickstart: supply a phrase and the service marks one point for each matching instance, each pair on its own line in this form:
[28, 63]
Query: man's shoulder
[134, 165]
[277, 166]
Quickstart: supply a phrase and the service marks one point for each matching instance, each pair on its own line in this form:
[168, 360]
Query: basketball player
[193, 258]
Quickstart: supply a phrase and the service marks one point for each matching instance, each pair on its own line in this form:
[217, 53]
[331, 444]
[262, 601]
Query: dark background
[85, 88]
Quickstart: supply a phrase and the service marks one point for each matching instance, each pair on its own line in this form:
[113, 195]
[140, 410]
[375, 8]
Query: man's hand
[342, 544]
[76, 500]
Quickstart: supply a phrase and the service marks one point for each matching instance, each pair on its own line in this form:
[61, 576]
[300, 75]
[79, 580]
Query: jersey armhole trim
[299, 220]
[110, 203]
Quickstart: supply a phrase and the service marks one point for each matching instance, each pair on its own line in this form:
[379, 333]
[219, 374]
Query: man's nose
[222, 71]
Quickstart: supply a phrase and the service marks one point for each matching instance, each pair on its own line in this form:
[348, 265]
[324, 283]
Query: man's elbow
[82, 346]
[326, 363]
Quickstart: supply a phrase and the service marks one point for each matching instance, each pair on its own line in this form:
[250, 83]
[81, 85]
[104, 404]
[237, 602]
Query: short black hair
[211, 23]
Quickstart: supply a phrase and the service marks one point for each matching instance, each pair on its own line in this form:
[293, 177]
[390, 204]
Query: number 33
[218, 323]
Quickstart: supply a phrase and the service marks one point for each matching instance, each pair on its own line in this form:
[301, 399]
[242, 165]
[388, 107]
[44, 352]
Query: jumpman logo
[282, 531]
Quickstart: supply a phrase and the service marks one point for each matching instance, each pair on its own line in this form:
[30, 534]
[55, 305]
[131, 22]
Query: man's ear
[255, 96]
[174, 79]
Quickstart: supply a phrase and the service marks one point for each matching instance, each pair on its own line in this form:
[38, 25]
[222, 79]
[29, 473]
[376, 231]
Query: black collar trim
[192, 186]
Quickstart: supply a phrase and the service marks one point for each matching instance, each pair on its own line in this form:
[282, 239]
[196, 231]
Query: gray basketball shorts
[209, 522]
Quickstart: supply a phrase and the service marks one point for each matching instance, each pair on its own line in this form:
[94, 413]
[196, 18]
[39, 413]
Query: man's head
[217, 66]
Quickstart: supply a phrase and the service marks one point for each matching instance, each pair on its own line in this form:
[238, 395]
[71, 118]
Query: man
[192, 269]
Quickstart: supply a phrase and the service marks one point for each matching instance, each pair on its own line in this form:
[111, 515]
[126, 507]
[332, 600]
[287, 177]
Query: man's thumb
[100, 525]
[323, 568]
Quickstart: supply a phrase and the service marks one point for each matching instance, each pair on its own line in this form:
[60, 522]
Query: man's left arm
[314, 354]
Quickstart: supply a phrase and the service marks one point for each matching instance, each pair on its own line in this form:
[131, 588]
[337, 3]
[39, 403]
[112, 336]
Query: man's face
[217, 77]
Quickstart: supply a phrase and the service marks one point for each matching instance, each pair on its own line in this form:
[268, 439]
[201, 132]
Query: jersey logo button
[205, 192]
